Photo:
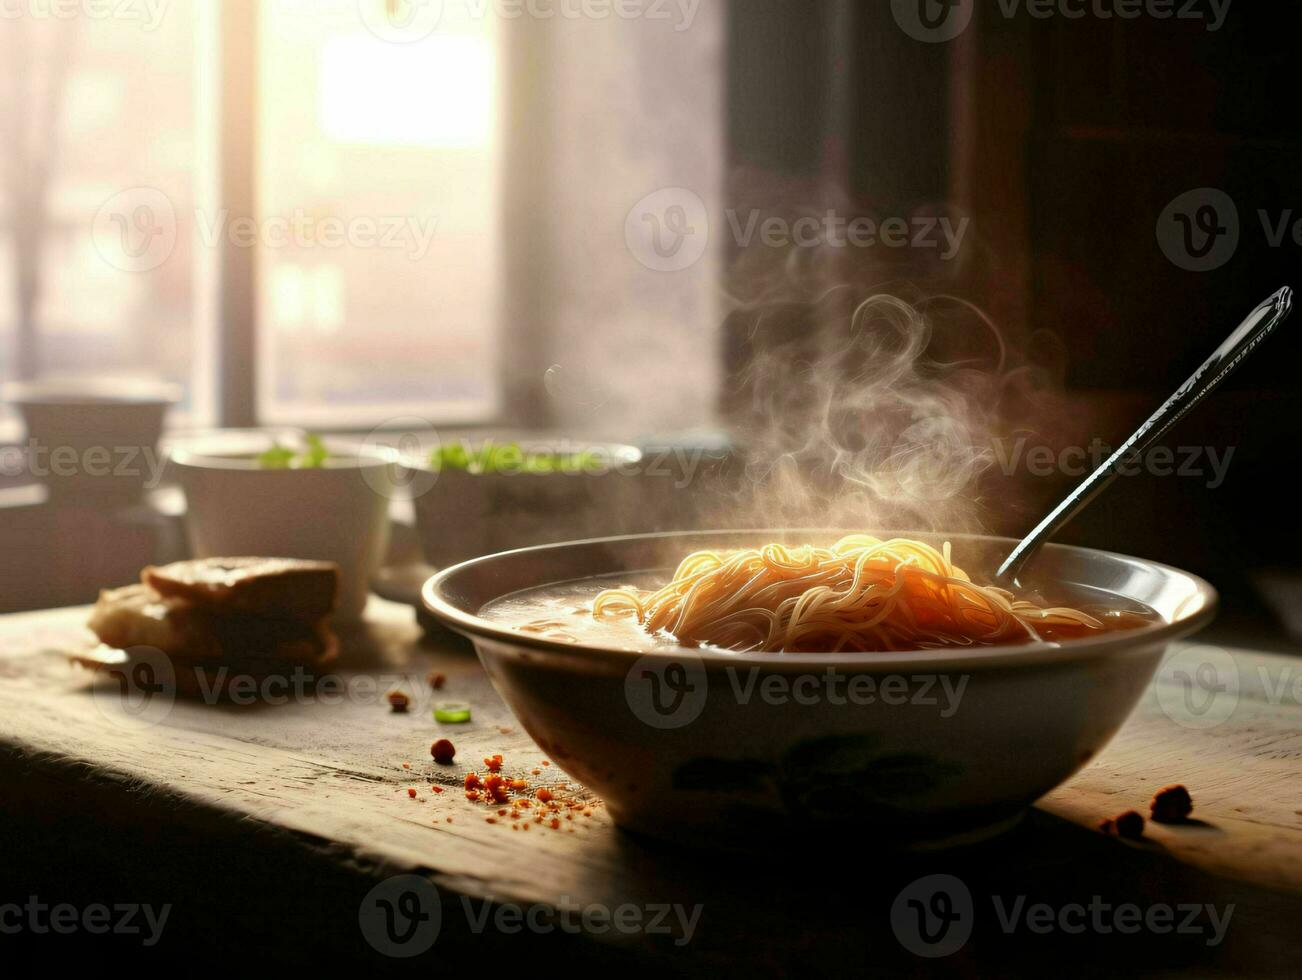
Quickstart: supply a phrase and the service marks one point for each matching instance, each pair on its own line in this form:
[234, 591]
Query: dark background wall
[1065, 140]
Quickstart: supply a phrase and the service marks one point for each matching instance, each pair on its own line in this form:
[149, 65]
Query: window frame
[238, 328]
[224, 379]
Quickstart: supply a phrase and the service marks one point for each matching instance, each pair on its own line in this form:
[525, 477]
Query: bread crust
[281, 588]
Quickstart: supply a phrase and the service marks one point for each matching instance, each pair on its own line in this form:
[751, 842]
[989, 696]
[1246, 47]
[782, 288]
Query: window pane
[378, 240]
[97, 234]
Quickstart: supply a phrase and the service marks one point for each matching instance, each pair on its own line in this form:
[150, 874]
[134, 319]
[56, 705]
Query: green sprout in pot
[279, 457]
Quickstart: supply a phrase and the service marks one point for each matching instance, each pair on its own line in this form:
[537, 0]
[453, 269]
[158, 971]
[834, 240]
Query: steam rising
[869, 413]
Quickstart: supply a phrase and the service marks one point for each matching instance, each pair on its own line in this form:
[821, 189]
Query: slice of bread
[282, 588]
[137, 616]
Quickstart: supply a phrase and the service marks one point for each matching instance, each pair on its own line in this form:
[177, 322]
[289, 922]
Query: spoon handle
[1251, 332]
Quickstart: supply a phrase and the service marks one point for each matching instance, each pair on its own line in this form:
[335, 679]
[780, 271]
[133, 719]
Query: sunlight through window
[438, 92]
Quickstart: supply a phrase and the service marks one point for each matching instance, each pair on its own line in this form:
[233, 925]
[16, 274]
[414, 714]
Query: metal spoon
[1251, 332]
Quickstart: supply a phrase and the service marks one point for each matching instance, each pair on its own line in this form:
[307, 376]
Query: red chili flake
[490, 820]
[472, 795]
[443, 752]
[406, 765]
[493, 764]
[436, 789]
[1129, 825]
[399, 702]
[546, 763]
[555, 824]
[544, 794]
[1172, 804]
[436, 680]
[411, 793]
[472, 781]
[536, 772]
[519, 784]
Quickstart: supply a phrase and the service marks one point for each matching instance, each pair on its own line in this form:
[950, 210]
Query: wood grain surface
[300, 808]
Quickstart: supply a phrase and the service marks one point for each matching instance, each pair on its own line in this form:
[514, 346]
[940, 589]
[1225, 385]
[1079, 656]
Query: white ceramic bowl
[338, 512]
[677, 749]
[461, 515]
[95, 436]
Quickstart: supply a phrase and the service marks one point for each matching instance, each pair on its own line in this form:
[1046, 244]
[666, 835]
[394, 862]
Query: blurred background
[610, 220]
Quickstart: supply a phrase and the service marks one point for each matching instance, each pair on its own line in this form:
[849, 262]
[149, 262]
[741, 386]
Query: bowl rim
[620, 454]
[475, 627]
[188, 453]
[93, 392]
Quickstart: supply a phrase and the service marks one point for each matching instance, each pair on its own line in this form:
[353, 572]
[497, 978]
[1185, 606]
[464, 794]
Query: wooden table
[266, 826]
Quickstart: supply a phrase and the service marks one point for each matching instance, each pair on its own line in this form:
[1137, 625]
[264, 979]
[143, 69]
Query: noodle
[861, 594]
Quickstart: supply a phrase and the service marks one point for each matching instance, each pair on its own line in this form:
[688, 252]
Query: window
[98, 269]
[379, 162]
[296, 210]
[376, 241]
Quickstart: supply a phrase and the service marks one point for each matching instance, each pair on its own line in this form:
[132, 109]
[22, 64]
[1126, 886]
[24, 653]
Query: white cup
[339, 512]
